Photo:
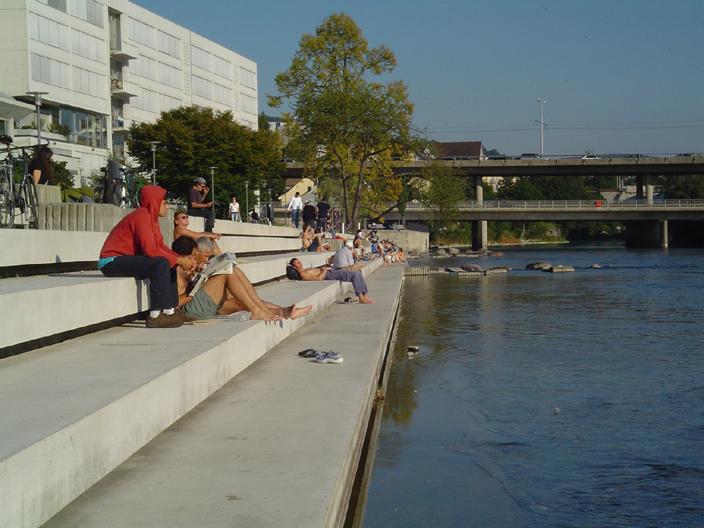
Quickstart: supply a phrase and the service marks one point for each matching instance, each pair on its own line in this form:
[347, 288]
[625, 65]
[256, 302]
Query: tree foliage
[545, 188]
[342, 124]
[682, 187]
[443, 191]
[192, 140]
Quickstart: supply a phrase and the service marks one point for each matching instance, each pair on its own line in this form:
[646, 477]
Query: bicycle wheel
[30, 211]
[7, 200]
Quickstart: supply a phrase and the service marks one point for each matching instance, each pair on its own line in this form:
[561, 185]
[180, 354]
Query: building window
[200, 58]
[169, 103]
[170, 75]
[88, 46]
[168, 44]
[248, 104]
[4, 128]
[223, 67]
[222, 94]
[144, 67]
[88, 10]
[248, 78]
[146, 100]
[85, 128]
[142, 33]
[201, 87]
[56, 4]
[48, 31]
[87, 82]
[50, 71]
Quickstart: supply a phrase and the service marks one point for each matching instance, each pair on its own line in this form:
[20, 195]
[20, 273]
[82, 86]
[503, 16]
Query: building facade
[105, 65]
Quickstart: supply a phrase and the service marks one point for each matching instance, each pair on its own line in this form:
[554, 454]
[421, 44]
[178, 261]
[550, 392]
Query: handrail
[573, 204]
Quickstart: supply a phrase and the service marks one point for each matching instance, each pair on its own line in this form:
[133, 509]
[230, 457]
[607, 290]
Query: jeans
[207, 214]
[163, 293]
[355, 277]
[235, 217]
[296, 217]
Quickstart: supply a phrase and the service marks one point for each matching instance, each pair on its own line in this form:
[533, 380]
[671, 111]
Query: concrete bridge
[635, 165]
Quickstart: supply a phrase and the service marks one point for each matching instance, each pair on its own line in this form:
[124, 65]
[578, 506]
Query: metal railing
[574, 204]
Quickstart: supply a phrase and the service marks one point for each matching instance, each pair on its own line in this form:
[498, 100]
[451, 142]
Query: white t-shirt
[234, 207]
[296, 203]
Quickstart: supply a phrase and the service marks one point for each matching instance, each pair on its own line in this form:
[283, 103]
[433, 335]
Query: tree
[342, 124]
[192, 140]
[443, 192]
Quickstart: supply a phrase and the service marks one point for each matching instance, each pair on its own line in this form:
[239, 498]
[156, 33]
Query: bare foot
[265, 316]
[365, 300]
[300, 312]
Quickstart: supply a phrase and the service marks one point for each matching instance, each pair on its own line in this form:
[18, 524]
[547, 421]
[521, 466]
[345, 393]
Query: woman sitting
[181, 229]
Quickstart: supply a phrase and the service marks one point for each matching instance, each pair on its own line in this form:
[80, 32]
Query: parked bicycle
[120, 186]
[19, 205]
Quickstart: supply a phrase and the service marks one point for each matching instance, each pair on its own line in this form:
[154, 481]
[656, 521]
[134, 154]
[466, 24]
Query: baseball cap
[199, 180]
[349, 244]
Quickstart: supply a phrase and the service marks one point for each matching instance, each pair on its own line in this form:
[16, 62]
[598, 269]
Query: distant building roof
[471, 149]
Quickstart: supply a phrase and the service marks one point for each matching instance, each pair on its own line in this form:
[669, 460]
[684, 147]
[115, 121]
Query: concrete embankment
[276, 446]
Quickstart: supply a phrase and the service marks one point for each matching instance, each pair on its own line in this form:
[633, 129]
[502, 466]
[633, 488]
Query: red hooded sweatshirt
[138, 233]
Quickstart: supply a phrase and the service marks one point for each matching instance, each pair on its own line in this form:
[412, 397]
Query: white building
[105, 65]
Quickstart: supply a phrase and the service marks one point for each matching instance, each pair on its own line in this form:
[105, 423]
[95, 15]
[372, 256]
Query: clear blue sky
[629, 71]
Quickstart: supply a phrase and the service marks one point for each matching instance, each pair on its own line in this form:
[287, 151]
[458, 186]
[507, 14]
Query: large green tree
[341, 122]
[192, 140]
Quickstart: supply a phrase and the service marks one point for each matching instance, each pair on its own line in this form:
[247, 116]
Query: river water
[547, 400]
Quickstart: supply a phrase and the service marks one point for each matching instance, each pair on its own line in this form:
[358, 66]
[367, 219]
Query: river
[547, 400]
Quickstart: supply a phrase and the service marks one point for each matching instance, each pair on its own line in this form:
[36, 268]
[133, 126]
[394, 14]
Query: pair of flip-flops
[321, 356]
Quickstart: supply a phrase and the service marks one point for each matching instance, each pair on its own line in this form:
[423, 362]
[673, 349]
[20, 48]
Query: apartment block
[105, 65]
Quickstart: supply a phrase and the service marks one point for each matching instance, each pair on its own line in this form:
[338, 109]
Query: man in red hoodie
[135, 248]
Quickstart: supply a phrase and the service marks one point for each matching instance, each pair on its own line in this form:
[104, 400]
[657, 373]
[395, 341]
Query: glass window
[168, 44]
[170, 75]
[88, 46]
[85, 128]
[48, 31]
[141, 32]
[56, 4]
[50, 71]
[200, 58]
[248, 78]
[88, 10]
[144, 67]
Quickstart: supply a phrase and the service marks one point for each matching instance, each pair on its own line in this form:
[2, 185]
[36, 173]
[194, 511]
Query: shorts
[201, 306]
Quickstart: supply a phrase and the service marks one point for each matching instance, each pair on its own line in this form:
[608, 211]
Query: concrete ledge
[228, 227]
[46, 305]
[71, 413]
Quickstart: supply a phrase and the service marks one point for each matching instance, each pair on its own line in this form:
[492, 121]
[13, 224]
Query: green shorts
[201, 306]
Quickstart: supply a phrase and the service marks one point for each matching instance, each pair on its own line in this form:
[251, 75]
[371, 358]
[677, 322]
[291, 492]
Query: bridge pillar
[639, 187]
[649, 189]
[646, 234]
[480, 228]
[664, 234]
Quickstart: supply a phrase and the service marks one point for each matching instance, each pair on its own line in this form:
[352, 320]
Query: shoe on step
[328, 357]
[165, 321]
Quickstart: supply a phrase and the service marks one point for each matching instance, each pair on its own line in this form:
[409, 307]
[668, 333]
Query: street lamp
[541, 102]
[246, 198]
[38, 105]
[212, 188]
[154, 144]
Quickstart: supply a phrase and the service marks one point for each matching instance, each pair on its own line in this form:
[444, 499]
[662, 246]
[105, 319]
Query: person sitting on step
[295, 270]
[225, 294]
[181, 222]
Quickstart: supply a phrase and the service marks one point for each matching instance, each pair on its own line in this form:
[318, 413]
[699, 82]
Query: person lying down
[224, 294]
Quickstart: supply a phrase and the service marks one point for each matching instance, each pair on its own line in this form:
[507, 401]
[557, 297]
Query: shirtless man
[297, 271]
[226, 294]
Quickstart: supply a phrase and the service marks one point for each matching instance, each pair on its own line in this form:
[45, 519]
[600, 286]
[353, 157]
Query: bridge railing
[573, 204]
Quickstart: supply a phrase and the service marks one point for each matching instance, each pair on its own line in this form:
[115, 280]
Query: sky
[618, 76]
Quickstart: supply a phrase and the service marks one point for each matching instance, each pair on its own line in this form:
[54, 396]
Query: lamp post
[541, 102]
[246, 199]
[38, 105]
[154, 144]
[212, 188]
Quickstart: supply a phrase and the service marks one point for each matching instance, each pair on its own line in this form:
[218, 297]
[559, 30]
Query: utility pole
[541, 102]
[154, 144]
[38, 105]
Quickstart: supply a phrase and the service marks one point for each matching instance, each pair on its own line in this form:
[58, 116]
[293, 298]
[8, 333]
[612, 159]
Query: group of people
[388, 250]
[135, 248]
[321, 217]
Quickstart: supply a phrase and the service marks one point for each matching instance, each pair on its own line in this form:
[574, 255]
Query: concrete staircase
[73, 411]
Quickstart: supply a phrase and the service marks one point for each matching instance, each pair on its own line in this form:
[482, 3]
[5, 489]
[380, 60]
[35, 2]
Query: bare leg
[364, 299]
[289, 312]
[252, 303]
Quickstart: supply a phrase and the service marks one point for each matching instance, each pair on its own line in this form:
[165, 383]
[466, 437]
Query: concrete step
[45, 305]
[72, 412]
[25, 247]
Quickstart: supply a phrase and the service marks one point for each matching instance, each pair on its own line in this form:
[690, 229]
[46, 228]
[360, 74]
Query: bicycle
[17, 199]
[120, 186]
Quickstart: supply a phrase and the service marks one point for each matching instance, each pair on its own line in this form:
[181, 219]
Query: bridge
[635, 165]
[563, 210]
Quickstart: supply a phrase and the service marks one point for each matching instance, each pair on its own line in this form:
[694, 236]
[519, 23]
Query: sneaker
[308, 353]
[328, 357]
[165, 321]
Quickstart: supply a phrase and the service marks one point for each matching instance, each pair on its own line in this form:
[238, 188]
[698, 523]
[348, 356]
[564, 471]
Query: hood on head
[150, 197]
